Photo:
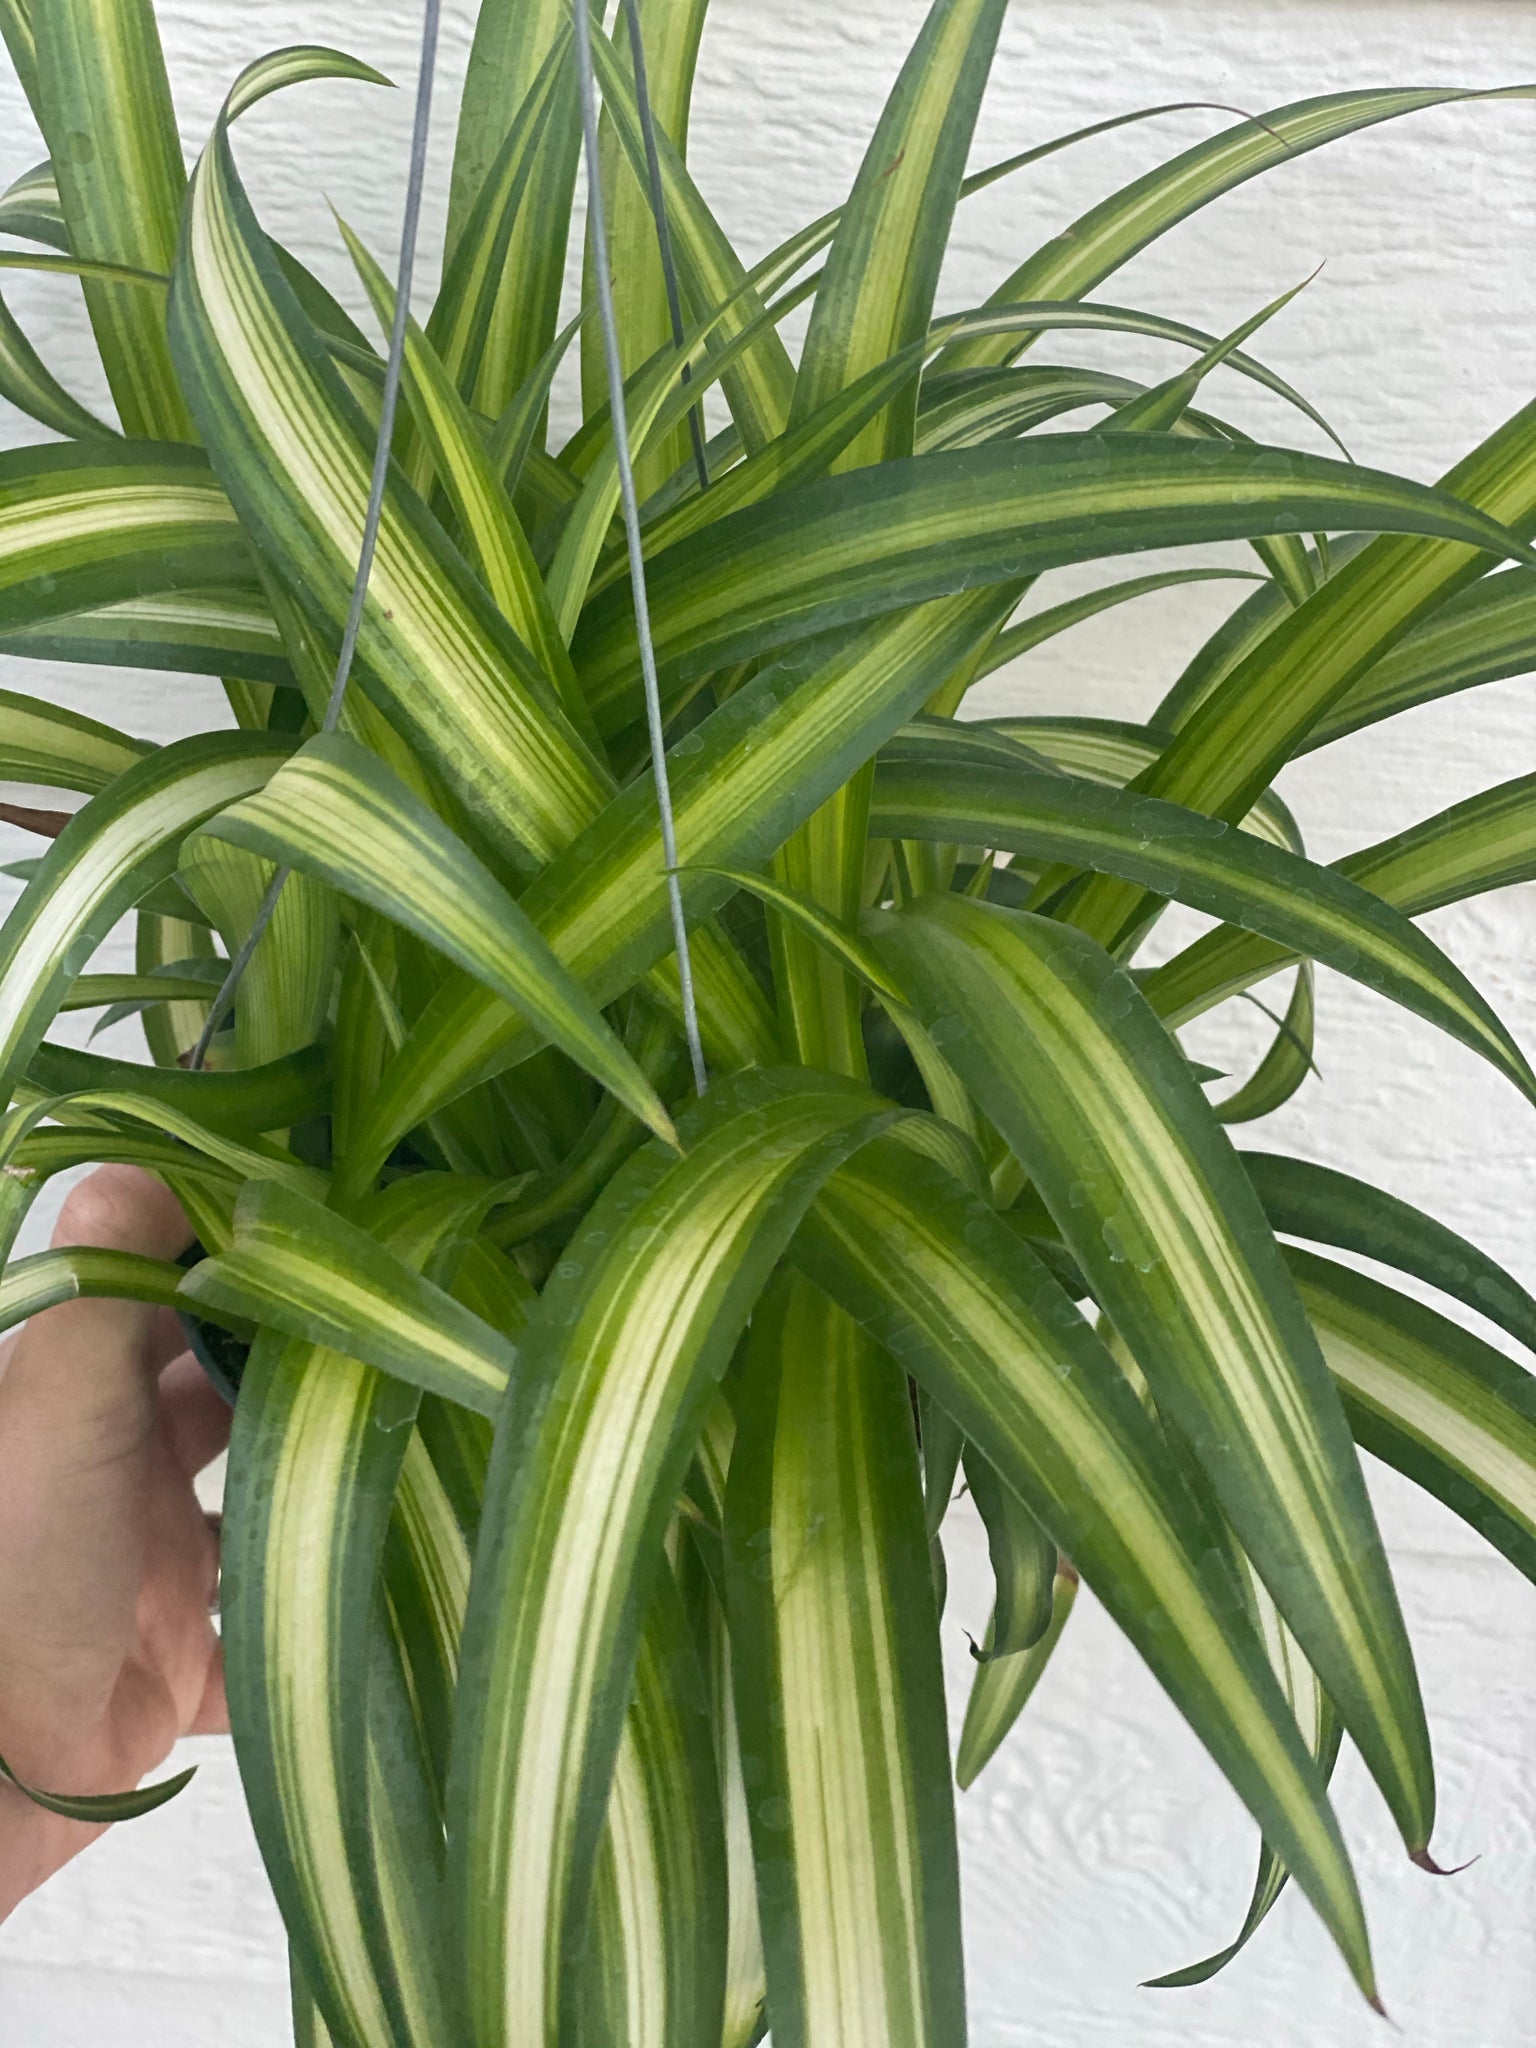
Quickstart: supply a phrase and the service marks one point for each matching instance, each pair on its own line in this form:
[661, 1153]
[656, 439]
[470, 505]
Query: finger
[193, 1414]
[167, 1339]
[212, 1716]
[77, 1384]
[124, 1209]
[78, 1411]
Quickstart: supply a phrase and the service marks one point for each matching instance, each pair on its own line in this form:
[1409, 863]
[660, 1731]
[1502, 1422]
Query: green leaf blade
[839, 1690]
[339, 813]
[102, 862]
[943, 1283]
[1426, 1396]
[849, 547]
[1151, 1202]
[876, 294]
[1203, 862]
[101, 75]
[610, 1395]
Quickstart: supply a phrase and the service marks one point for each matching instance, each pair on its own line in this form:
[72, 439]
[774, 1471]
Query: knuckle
[99, 1211]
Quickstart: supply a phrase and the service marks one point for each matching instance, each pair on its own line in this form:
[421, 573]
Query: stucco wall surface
[1100, 1848]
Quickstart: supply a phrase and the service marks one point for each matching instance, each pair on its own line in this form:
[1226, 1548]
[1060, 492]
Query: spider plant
[581, 1581]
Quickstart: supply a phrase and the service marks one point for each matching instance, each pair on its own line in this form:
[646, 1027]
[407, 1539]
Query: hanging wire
[663, 227]
[597, 227]
[415, 182]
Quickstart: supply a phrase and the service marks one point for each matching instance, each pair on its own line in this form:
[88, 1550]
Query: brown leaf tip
[1427, 1862]
[1373, 2000]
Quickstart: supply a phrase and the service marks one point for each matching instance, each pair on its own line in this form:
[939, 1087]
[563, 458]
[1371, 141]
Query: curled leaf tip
[102, 1808]
[1425, 1861]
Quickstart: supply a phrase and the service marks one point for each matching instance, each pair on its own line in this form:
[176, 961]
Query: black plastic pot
[218, 1351]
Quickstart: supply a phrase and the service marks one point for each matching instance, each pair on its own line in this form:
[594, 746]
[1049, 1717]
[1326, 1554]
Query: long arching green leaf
[98, 1808]
[1075, 1070]
[243, 1157]
[90, 524]
[1234, 741]
[93, 268]
[29, 205]
[1324, 1206]
[517, 128]
[760, 385]
[850, 547]
[203, 632]
[670, 32]
[1107, 236]
[21, 44]
[876, 294]
[1288, 1061]
[298, 1267]
[337, 812]
[444, 664]
[1486, 632]
[839, 1689]
[1428, 1397]
[309, 2029]
[950, 1291]
[512, 438]
[1060, 618]
[270, 1098]
[1205, 863]
[659, 1968]
[101, 77]
[1023, 1562]
[126, 993]
[743, 781]
[1234, 639]
[746, 1987]
[1488, 842]
[295, 64]
[1106, 749]
[30, 1285]
[102, 862]
[316, 1700]
[27, 383]
[1162, 406]
[476, 318]
[961, 406]
[655, 1938]
[62, 749]
[314, 1455]
[614, 1377]
[57, 1148]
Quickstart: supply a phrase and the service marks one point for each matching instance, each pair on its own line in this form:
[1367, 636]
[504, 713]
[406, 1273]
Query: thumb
[77, 1422]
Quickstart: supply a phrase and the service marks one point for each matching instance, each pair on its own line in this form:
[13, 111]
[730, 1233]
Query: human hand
[108, 1565]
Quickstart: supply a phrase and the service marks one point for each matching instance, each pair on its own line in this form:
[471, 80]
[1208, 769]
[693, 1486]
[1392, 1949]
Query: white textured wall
[1100, 1848]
